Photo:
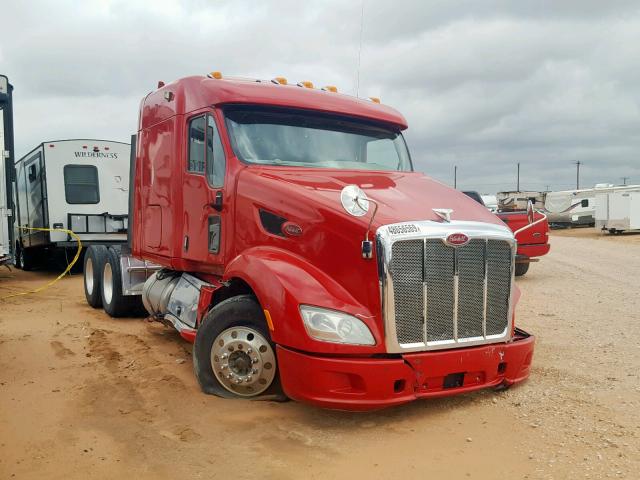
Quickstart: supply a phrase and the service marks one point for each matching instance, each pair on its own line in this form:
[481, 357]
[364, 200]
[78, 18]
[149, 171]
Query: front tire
[94, 259]
[233, 355]
[521, 269]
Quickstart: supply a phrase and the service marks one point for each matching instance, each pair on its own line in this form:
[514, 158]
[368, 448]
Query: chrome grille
[498, 286]
[445, 295]
[438, 269]
[408, 294]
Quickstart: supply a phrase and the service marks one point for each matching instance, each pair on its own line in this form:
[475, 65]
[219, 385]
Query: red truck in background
[282, 229]
[530, 228]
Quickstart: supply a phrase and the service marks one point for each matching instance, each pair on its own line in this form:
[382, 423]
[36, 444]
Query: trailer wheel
[521, 269]
[94, 259]
[24, 259]
[114, 302]
[233, 355]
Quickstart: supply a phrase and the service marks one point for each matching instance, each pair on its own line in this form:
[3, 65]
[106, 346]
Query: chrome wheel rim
[88, 276]
[243, 361]
[21, 259]
[107, 283]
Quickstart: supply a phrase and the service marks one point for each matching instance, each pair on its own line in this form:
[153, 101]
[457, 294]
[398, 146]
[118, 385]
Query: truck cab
[304, 256]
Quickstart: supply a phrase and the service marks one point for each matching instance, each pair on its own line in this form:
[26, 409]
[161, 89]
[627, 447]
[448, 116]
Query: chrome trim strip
[427, 229]
[456, 285]
[484, 289]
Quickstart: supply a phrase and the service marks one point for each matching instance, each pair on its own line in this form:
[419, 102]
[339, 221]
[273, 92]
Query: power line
[360, 48]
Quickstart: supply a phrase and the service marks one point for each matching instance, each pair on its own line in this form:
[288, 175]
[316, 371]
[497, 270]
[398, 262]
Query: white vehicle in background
[79, 185]
[6, 171]
[518, 201]
[576, 207]
[618, 211]
[491, 202]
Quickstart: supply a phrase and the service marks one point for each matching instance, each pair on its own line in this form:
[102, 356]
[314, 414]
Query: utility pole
[518, 181]
[624, 180]
[455, 176]
[578, 163]
[547, 188]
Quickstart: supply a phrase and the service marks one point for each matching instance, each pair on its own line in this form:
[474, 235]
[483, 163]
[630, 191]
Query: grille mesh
[431, 263]
[438, 268]
[471, 289]
[406, 268]
[498, 286]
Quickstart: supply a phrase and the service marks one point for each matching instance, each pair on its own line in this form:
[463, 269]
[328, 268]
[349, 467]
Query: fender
[282, 281]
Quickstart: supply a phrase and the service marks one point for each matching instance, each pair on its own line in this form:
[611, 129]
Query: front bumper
[533, 250]
[362, 384]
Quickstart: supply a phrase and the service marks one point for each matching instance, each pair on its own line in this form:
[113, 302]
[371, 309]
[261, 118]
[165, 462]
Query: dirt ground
[86, 396]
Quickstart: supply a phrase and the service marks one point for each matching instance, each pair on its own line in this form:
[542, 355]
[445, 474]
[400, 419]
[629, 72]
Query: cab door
[205, 212]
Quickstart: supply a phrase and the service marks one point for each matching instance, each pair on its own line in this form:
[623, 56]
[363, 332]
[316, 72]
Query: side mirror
[530, 212]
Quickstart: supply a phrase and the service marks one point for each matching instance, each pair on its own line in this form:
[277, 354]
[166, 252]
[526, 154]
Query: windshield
[302, 139]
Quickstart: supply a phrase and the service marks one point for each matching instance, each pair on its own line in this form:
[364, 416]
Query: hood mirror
[530, 211]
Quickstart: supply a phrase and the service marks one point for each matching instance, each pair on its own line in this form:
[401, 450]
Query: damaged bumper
[362, 384]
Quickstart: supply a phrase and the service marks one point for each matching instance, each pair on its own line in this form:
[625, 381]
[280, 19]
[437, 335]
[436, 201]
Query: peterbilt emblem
[443, 213]
[291, 229]
[456, 239]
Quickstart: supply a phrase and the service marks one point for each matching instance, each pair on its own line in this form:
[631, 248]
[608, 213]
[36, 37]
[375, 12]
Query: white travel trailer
[618, 211]
[516, 201]
[6, 171]
[576, 207]
[79, 185]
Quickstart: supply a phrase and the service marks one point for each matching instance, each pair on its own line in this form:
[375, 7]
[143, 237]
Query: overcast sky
[483, 84]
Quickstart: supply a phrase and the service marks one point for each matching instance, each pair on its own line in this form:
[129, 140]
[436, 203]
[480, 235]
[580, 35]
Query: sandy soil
[86, 396]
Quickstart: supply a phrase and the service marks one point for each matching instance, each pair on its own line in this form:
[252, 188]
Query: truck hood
[402, 196]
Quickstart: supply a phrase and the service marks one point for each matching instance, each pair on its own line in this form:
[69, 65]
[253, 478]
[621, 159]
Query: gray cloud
[484, 85]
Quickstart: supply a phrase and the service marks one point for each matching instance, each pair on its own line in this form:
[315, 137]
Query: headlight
[337, 327]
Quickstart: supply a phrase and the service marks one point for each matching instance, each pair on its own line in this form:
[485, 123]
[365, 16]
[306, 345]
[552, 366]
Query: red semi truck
[282, 229]
[530, 228]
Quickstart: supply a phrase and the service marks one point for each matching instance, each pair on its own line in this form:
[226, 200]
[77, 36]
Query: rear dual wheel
[94, 259]
[114, 301]
[233, 355]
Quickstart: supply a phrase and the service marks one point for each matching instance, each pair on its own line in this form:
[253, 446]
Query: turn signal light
[216, 75]
[305, 84]
[280, 80]
[330, 88]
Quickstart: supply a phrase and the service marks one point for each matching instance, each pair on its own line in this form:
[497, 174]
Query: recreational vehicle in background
[576, 207]
[79, 185]
[6, 171]
[517, 201]
[618, 210]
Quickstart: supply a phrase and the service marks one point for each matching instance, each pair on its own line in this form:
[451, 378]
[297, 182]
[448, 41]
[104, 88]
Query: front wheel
[521, 269]
[233, 356]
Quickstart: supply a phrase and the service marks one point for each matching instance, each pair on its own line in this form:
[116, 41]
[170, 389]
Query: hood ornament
[443, 213]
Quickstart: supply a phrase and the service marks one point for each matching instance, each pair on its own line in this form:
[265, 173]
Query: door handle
[217, 202]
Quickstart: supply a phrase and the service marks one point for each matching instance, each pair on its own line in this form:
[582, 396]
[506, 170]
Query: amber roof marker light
[215, 75]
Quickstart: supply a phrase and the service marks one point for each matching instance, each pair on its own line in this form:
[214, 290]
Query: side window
[81, 184]
[215, 155]
[196, 145]
[383, 153]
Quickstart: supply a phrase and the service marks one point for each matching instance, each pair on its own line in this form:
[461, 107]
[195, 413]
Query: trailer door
[36, 200]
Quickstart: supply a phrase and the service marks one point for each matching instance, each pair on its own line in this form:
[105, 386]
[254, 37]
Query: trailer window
[81, 184]
[196, 145]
